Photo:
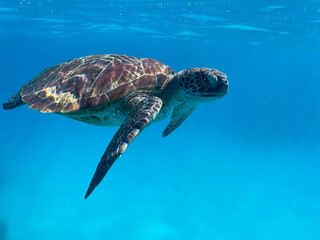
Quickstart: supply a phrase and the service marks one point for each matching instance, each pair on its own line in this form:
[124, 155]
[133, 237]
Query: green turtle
[120, 90]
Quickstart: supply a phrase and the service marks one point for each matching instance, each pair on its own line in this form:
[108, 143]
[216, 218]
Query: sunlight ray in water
[243, 27]
[52, 20]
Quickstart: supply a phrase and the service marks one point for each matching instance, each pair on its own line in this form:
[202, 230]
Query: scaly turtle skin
[120, 90]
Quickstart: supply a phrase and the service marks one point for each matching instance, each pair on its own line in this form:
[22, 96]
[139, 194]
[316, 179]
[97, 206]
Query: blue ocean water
[245, 167]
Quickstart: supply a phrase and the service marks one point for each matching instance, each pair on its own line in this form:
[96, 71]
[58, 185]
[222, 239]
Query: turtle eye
[205, 80]
[210, 79]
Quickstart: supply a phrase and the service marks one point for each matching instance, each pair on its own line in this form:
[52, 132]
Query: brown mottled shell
[92, 81]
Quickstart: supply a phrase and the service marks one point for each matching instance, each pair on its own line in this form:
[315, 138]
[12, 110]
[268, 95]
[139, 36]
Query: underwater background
[245, 167]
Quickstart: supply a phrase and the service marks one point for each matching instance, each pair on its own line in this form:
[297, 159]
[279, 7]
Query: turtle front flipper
[144, 110]
[179, 114]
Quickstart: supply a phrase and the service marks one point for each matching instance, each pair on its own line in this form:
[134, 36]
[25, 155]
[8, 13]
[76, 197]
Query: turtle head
[205, 84]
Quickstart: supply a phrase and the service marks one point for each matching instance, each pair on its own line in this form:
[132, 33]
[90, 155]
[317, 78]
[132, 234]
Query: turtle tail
[15, 101]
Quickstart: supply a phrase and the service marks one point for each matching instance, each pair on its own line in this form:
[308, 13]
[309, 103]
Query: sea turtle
[119, 90]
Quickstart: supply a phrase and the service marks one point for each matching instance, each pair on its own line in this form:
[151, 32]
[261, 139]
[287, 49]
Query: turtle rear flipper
[15, 101]
[144, 110]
